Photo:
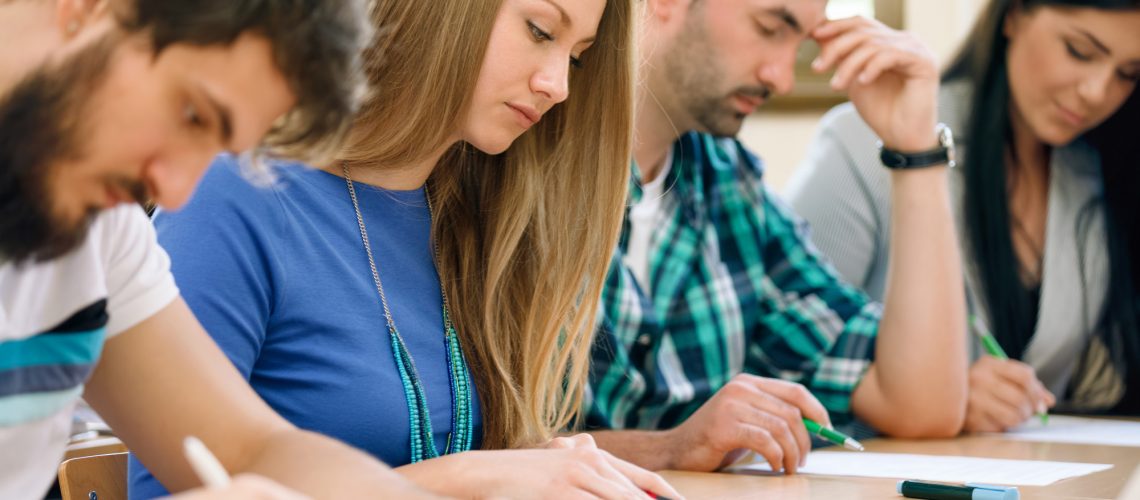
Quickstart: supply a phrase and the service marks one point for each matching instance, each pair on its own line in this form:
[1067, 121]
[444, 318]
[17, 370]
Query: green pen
[832, 435]
[990, 344]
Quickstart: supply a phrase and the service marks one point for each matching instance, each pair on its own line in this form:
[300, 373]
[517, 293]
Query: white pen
[205, 464]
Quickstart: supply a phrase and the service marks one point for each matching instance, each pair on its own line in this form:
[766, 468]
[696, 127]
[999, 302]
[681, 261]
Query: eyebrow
[225, 118]
[566, 19]
[1099, 45]
[786, 15]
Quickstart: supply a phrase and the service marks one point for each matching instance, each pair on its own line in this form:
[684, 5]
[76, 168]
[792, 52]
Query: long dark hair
[982, 62]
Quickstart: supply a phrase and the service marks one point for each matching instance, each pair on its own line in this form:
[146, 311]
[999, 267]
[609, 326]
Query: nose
[1094, 88]
[174, 175]
[552, 79]
[778, 70]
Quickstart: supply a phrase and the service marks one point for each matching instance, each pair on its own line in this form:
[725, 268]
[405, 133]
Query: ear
[73, 15]
[667, 10]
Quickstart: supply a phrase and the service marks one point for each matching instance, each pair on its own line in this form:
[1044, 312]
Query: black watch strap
[941, 155]
[895, 159]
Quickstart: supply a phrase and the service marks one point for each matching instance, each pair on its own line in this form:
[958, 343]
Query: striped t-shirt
[55, 317]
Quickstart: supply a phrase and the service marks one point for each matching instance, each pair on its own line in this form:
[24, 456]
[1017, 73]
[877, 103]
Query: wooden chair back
[104, 476]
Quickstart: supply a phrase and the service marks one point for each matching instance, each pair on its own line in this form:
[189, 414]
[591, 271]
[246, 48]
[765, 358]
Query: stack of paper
[1078, 431]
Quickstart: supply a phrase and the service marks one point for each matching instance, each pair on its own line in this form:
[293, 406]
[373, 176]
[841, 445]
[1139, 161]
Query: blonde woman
[433, 291]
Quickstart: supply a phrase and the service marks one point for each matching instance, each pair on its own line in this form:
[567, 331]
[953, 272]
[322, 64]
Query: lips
[1071, 117]
[527, 115]
[746, 104]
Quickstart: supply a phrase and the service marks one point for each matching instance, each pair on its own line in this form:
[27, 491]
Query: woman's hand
[1003, 395]
[565, 467]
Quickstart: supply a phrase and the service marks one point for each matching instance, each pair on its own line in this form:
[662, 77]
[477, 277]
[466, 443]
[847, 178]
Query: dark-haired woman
[1042, 99]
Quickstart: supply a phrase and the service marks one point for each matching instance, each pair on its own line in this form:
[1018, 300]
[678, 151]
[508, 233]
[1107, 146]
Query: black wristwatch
[942, 155]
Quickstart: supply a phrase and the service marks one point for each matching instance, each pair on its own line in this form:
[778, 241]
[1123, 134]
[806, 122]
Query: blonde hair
[525, 237]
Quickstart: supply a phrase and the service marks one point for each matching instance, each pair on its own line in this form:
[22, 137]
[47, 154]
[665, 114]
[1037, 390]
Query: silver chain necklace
[462, 418]
[372, 262]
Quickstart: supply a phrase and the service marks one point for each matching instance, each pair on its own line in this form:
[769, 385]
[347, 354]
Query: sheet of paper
[1061, 429]
[1131, 490]
[939, 468]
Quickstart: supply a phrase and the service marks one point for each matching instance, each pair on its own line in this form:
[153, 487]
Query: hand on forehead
[800, 16]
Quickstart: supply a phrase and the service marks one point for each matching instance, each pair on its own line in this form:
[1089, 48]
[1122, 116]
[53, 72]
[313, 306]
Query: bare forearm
[646, 449]
[921, 348]
[426, 475]
[289, 457]
[148, 375]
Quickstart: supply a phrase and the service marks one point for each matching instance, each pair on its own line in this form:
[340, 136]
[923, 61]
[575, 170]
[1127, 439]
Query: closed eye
[192, 117]
[1129, 77]
[766, 31]
[539, 34]
[1078, 55]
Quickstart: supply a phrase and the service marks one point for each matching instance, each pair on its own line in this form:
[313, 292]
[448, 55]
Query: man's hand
[1003, 394]
[749, 413]
[890, 76]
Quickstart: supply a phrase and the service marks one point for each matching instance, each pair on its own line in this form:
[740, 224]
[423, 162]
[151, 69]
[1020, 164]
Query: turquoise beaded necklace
[462, 424]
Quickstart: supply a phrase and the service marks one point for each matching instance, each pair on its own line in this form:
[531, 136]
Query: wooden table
[1104, 484]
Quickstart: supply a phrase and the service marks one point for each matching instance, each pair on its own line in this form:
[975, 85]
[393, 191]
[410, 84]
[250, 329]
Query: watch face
[946, 139]
[945, 136]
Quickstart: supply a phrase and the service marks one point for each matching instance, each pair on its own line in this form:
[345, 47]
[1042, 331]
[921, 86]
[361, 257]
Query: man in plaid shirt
[722, 325]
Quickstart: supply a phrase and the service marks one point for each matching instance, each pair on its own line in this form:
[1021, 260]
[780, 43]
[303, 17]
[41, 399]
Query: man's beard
[694, 70]
[41, 122]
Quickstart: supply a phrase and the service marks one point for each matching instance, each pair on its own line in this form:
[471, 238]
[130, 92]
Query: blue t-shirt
[280, 278]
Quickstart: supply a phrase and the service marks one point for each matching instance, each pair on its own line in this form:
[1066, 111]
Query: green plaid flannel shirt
[737, 287]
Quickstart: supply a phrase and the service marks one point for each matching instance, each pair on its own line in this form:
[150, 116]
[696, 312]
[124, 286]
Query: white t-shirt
[643, 217]
[54, 318]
